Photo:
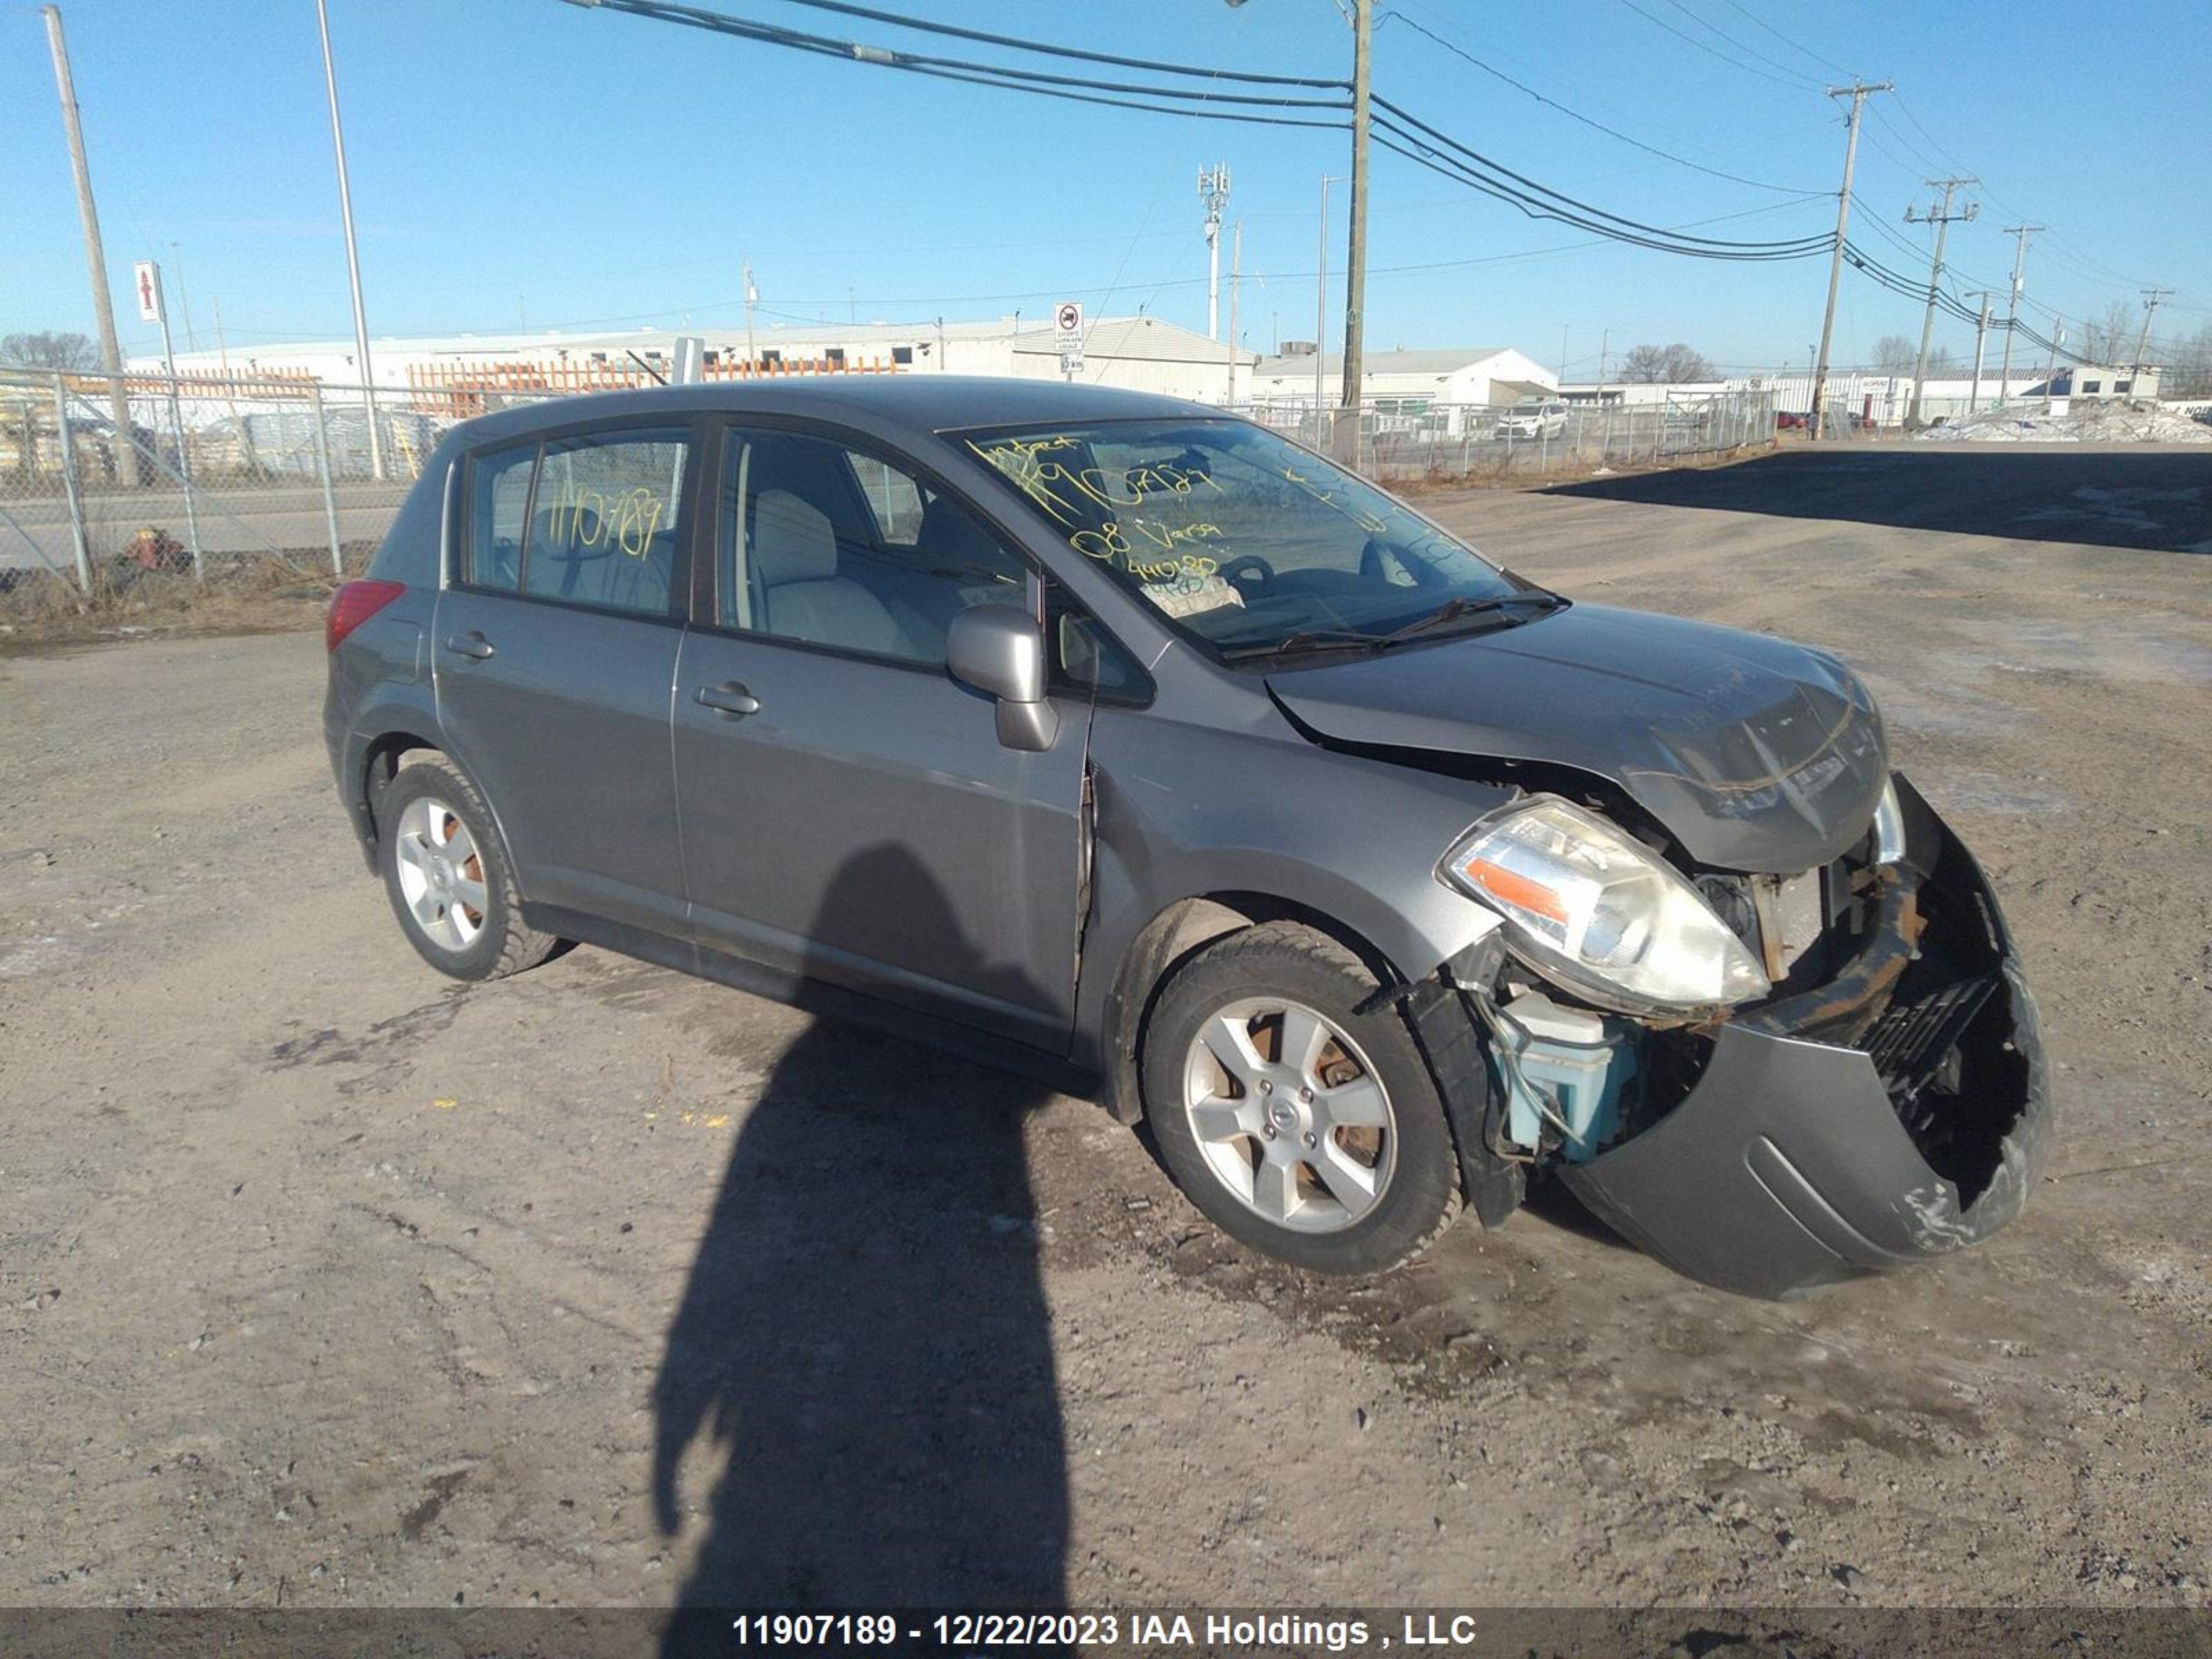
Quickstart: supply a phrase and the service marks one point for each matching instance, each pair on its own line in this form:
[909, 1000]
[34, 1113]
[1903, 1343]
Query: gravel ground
[325, 1281]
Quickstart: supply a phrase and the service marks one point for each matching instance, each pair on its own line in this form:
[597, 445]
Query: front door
[847, 812]
[556, 649]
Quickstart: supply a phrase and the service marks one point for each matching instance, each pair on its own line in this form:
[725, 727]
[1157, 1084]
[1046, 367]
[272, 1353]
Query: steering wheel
[1248, 571]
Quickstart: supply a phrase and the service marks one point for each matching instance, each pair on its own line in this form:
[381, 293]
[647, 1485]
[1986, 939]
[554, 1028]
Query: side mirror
[998, 649]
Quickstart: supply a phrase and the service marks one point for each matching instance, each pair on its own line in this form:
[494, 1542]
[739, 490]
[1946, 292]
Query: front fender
[1195, 814]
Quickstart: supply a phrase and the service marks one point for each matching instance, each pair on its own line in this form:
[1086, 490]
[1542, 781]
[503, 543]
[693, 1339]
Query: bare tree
[1676, 362]
[2188, 368]
[49, 350]
[1939, 361]
[1893, 354]
[2110, 339]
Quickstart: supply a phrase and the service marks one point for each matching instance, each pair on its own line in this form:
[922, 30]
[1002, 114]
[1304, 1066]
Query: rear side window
[591, 520]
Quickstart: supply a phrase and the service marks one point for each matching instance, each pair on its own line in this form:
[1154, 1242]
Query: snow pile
[2104, 420]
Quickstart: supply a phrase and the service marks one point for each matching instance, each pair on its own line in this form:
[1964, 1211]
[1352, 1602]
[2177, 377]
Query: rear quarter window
[500, 491]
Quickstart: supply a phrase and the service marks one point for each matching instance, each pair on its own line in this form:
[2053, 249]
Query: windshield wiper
[1310, 639]
[1340, 639]
[1454, 608]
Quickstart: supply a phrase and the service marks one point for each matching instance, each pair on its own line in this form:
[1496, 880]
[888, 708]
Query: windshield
[1247, 542]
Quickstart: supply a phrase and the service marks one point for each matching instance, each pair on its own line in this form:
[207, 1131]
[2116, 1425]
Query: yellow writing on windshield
[1065, 492]
[1366, 518]
[1111, 540]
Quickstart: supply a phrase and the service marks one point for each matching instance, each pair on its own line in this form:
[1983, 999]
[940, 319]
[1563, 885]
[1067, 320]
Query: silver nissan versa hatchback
[1130, 744]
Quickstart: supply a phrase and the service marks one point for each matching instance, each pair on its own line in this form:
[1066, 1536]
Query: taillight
[354, 605]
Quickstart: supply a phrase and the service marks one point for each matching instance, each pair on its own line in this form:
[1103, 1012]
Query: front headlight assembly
[1595, 910]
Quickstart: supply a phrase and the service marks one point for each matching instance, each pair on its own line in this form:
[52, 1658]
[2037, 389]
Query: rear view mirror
[1000, 649]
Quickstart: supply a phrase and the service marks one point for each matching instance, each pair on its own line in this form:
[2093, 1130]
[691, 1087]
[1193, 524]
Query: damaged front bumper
[1896, 1113]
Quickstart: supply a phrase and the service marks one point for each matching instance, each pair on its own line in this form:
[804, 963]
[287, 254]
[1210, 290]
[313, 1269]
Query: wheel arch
[382, 758]
[1177, 932]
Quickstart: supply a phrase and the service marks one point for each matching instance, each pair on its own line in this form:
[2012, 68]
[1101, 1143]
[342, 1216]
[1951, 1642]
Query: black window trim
[697, 429]
[707, 552]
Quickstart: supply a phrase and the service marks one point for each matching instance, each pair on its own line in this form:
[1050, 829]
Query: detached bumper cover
[1896, 1114]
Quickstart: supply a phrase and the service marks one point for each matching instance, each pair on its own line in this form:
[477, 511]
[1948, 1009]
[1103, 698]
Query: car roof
[935, 403]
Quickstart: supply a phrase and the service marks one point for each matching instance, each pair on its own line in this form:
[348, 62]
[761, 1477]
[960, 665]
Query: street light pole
[1321, 306]
[353, 254]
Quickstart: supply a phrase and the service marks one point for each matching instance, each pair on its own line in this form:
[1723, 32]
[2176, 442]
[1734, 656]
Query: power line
[1494, 178]
[1796, 86]
[1465, 164]
[1824, 63]
[1576, 115]
[1751, 50]
[924, 25]
[1068, 89]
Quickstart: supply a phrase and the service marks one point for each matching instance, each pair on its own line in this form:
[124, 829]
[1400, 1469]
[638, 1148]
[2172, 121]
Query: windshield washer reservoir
[1565, 1067]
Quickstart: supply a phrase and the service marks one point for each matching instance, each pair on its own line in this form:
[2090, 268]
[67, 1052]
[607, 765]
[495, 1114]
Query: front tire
[1303, 1128]
[448, 878]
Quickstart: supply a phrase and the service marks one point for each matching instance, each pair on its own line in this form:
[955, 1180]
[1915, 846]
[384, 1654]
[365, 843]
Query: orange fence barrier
[466, 388]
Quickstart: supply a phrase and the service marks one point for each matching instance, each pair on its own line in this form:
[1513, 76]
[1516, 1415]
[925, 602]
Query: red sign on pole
[146, 277]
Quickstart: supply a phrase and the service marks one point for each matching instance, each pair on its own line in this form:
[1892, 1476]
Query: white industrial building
[1142, 353]
[1408, 382]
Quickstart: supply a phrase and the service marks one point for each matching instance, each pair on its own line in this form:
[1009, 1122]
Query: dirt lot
[323, 1280]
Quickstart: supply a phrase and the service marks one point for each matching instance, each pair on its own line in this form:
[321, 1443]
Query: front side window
[1246, 543]
[827, 544]
[591, 520]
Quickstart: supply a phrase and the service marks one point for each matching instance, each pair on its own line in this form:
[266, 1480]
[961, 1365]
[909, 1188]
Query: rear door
[556, 646]
[848, 812]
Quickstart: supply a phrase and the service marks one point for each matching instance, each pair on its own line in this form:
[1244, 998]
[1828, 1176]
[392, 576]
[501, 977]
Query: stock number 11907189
[959, 1629]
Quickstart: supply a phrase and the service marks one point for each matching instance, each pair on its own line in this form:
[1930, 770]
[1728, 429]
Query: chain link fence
[1403, 439]
[105, 477]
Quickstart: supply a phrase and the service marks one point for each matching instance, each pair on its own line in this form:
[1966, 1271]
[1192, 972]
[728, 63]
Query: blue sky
[529, 161]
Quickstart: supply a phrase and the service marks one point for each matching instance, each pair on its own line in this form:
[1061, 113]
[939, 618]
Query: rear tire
[1302, 1129]
[448, 878]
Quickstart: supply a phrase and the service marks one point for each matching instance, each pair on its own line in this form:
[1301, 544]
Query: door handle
[471, 644]
[728, 698]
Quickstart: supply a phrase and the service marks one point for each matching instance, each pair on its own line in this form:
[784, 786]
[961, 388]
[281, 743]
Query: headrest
[792, 541]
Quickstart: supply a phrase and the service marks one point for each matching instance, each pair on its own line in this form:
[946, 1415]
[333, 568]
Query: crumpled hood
[1756, 754]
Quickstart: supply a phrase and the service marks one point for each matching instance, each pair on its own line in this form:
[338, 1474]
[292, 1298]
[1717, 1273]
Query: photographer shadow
[864, 1329]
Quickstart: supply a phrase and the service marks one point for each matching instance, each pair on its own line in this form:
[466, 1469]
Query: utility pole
[2151, 296]
[1981, 336]
[1857, 92]
[2050, 373]
[352, 252]
[96, 257]
[1213, 193]
[1236, 282]
[1604, 356]
[752, 296]
[1355, 267]
[1941, 217]
[2012, 313]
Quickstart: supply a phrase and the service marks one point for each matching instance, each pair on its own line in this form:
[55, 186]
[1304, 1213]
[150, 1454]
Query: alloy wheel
[1290, 1117]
